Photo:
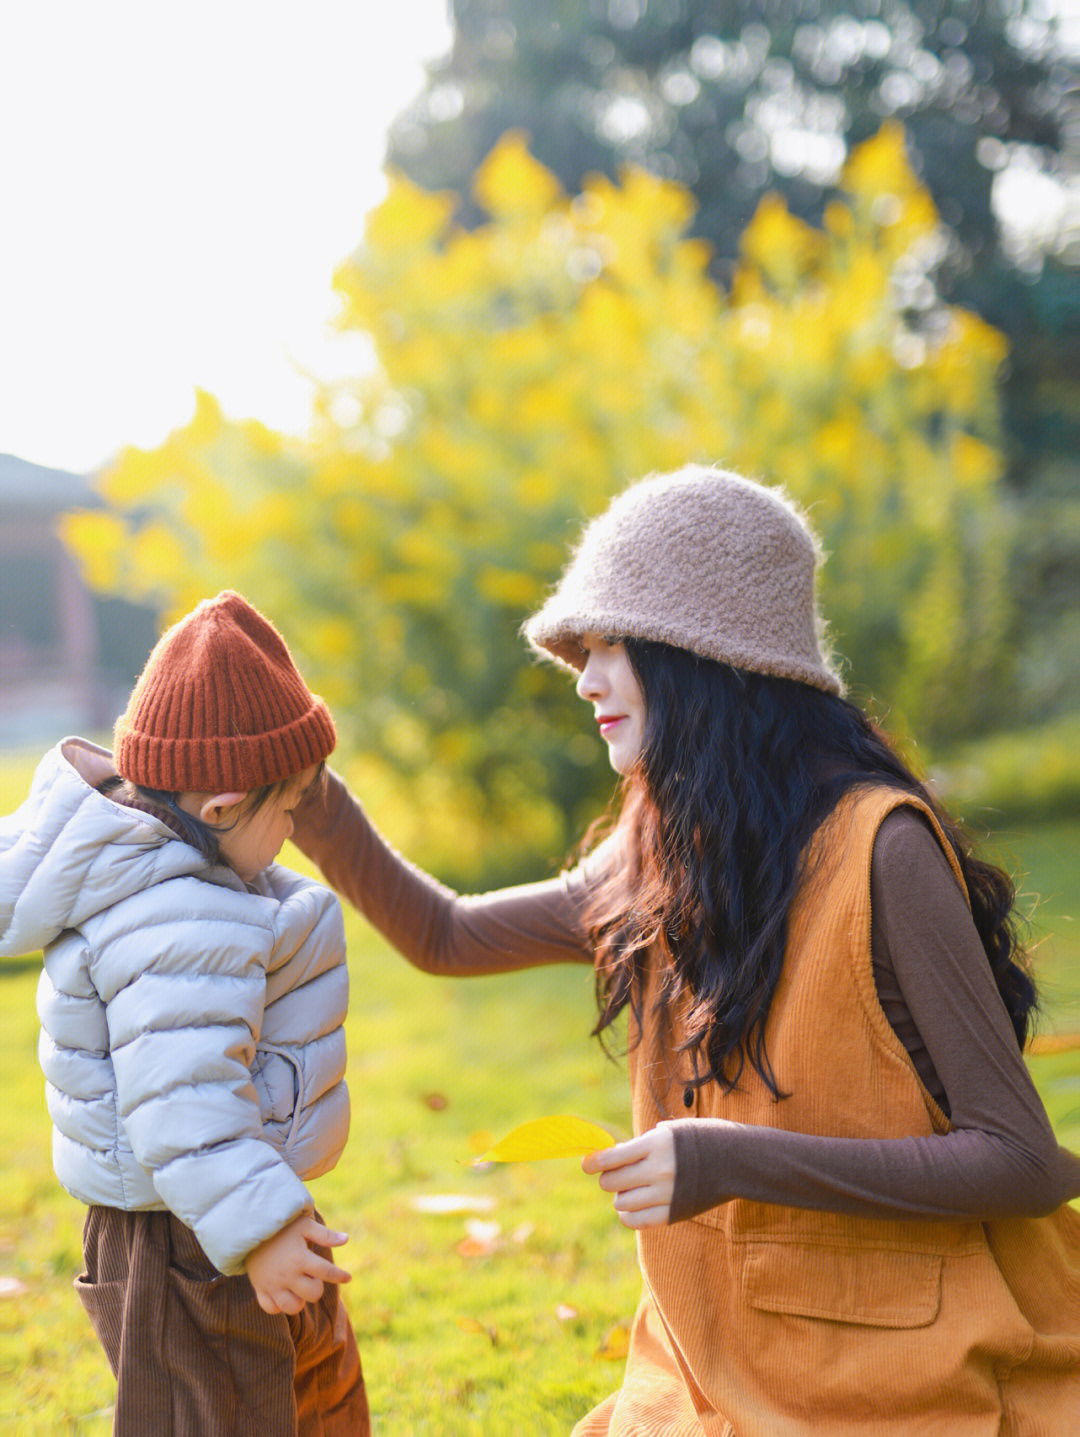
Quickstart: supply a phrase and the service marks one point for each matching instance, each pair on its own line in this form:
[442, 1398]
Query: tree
[736, 100]
[527, 367]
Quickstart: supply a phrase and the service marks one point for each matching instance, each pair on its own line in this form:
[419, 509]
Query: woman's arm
[1001, 1158]
[431, 925]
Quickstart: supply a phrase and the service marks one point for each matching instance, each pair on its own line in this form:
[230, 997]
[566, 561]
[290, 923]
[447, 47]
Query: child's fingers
[315, 1232]
[325, 1271]
[316, 1264]
[281, 1299]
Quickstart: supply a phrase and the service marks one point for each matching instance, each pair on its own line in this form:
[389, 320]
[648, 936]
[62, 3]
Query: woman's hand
[641, 1174]
[285, 1271]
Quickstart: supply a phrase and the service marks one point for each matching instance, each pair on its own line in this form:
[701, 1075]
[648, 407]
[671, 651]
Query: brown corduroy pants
[193, 1352]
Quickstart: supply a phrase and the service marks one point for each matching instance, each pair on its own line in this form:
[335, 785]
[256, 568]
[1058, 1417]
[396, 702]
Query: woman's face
[609, 683]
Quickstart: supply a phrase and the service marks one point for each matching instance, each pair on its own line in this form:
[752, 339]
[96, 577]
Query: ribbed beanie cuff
[220, 707]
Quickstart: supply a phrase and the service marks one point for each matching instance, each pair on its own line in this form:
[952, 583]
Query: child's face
[251, 841]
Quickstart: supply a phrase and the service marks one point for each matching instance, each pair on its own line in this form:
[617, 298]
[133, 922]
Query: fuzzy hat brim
[703, 560]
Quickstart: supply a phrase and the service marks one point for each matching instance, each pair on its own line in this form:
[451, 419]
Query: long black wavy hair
[737, 771]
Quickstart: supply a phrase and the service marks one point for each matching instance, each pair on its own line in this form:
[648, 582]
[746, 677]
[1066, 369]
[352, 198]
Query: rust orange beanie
[220, 706]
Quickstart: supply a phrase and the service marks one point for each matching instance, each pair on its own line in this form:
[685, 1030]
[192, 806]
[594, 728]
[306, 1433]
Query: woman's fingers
[647, 1217]
[618, 1180]
[641, 1174]
[639, 1198]
[605, 1159]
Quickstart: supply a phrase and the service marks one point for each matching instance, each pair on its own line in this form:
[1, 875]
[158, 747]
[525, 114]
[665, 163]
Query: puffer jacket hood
[69, 852]
[192, 1025]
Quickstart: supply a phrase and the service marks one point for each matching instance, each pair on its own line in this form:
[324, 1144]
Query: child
[192, 1003]
[848, 1198]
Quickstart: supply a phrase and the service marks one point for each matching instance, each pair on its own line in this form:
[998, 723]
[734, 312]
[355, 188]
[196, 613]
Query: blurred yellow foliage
[525, 370]
[511, 184]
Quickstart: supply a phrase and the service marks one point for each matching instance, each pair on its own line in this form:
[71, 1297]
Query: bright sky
[177, 185]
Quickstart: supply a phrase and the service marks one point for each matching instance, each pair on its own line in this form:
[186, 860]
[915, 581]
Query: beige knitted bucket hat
[701, 559]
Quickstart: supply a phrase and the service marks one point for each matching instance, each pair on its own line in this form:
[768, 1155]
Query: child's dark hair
[164, 805]
[737, 771]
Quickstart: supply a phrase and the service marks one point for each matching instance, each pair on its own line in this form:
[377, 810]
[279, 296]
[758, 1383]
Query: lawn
[485, 1330]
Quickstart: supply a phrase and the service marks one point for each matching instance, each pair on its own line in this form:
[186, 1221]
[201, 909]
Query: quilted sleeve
[184, 1006]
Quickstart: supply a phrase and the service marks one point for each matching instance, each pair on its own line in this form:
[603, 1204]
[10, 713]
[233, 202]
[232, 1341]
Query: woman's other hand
[641, 1174]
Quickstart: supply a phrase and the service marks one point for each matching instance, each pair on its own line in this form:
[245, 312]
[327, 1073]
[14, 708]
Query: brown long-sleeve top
[933, 982]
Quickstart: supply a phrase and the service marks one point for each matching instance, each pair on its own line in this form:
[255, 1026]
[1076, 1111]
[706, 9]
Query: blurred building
[67, 656]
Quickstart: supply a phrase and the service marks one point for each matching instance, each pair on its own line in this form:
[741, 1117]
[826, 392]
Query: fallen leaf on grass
[475, 1247]
[451, 1203]
[555, 1137]
[616, 1343]
[481, 1239]
[471, 1324]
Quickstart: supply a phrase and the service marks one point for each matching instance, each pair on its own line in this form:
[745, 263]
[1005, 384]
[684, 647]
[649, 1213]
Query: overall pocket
[868, 1286]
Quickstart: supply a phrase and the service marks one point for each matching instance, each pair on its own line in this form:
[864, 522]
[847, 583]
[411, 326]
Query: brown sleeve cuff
[695, 1176]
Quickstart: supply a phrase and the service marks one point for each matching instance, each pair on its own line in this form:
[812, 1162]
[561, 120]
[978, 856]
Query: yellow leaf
[511, 182]
[472, 1324]
[783, 247]
[880, 165]
[555, 1137]
[207, 422]
[156, 550]
[100, 541]
[408, 215]
[616, 1343]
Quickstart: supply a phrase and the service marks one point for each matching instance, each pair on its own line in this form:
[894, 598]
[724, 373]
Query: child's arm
[185, 1000]
[286, 1271]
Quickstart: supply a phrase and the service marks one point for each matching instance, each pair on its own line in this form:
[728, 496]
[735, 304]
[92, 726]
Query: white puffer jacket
[192, 1035]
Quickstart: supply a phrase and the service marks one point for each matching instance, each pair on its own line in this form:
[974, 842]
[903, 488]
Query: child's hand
[286, 1273]
[641, 1174]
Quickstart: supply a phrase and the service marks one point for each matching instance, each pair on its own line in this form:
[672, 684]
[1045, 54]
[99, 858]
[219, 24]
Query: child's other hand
[286, 1273]
[641, 1174]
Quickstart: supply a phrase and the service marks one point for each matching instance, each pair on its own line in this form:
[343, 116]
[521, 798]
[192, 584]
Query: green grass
[1026, 776]
[494, 1051]
[450, 1344]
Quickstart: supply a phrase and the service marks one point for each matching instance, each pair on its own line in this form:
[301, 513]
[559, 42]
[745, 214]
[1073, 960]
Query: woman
[848, 1197]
